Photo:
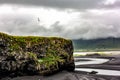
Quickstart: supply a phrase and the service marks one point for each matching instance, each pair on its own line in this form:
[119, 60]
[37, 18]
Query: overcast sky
[73, 19]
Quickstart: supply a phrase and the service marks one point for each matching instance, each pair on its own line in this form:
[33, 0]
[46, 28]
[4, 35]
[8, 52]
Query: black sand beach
[64, 75]
[112, 64]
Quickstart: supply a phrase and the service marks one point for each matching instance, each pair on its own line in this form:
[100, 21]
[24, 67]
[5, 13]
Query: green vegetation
[75, 55]
[42, 54]
[97, 44]
[32, 55]
[50, 60]
[17, 42]
[93, 54]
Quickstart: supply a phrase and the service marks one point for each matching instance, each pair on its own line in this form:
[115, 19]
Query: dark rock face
[34, 55]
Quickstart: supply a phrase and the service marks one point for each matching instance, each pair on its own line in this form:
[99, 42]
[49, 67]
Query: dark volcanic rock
[93, 72]
[34, 55]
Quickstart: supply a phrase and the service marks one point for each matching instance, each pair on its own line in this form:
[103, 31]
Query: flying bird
[38, 19]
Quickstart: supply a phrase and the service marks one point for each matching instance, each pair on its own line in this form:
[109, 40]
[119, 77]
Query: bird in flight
[38, 19]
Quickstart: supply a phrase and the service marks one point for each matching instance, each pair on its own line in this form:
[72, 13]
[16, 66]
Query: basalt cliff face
[30, 55]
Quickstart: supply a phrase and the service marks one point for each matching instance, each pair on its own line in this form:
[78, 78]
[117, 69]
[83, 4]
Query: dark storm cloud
[75, 4]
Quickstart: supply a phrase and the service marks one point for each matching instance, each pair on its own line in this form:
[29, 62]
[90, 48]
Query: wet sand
[64, 75]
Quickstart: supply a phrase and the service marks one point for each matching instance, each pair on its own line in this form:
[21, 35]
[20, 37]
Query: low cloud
[89, 24]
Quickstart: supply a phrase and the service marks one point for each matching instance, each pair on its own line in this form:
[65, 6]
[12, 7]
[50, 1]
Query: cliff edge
[21, 55]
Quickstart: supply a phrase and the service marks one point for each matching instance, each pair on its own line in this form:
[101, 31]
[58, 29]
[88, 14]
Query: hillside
[97, 44]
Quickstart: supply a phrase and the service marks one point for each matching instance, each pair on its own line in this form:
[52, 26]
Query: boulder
[31, 55]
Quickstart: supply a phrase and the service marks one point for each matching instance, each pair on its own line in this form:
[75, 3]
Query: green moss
[50, 60]
[14, 47]
[54, 49]
[3, 35]
[32, 55]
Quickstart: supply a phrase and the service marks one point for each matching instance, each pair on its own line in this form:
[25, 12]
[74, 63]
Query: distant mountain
[97, 44]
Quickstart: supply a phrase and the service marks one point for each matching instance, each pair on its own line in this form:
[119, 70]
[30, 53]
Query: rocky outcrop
[34, 55]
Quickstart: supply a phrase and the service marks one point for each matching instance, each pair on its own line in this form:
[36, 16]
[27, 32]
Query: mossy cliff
[35, 55]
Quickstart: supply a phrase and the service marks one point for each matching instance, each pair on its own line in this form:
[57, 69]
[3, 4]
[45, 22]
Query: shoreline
[64, 75]
[112, 64]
